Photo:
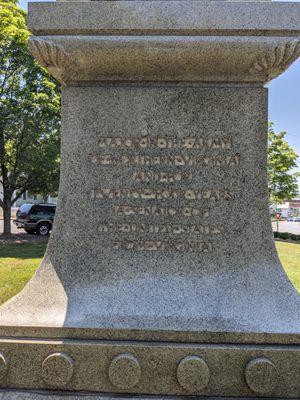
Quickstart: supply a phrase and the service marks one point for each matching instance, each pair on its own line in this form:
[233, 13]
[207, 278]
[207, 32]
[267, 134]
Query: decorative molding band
[150, 368]
[82, 59]
[277, 60]
[50, 55]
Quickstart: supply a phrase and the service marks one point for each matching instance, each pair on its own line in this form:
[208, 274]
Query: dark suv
[35, 218]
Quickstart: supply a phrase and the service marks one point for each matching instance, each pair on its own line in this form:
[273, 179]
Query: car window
[50, 210]
[42, 211]
[36, 210]
[25, 208]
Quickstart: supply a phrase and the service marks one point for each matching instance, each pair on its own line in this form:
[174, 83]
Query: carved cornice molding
[277, 60]
[51, 56]
[130, 58]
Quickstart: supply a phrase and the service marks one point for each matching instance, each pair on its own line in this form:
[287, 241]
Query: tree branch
[17, 197]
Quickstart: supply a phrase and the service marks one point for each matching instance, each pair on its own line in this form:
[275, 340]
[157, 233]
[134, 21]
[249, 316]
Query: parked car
[35, 218]
[293, 219]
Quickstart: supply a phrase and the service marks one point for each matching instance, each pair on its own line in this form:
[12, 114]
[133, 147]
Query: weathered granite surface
[165, 40]
[165, 18]
[128, 58]
[161, 275]
[156, 368]
[114, 267]
[46, 396]
[98, 280]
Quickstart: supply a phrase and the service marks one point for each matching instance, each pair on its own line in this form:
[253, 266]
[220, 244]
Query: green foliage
[29, 113]
[281, 161]
[12, 24]
[286, 236]
[293, 236]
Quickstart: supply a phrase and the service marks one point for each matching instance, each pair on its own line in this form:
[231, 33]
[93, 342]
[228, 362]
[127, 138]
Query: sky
[284, 102]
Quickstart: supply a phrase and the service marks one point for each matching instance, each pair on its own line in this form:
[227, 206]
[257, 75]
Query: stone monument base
[191, 300]
[154, 368]
[161, 277]
[164, 223]
[25, 395]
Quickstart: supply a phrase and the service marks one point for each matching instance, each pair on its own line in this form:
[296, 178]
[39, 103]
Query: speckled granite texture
[161, 275]
[78, 396]
[195, 41]
[225, 277]
[164, 18]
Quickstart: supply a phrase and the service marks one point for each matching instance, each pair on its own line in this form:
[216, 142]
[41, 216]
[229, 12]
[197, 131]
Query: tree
[29, 116]
[281, 161]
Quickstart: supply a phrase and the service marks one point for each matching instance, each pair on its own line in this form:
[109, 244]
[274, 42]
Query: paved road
[20, 235]
[291, 227]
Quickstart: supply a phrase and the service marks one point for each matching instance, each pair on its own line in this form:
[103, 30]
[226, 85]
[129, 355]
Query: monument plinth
[161, 275]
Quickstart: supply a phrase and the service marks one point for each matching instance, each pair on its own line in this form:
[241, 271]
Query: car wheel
[43, 229]
[30, 231]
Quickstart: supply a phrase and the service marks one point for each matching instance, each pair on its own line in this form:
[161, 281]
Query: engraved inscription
[172, 160]
[161, 206]
[161, 177]
[161, 194]
[148, 142]
[162, 211]
[153, 245]
[174, 229]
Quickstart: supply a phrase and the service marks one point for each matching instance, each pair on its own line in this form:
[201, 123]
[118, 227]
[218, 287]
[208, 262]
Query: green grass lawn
[289, 254]
[18, 262]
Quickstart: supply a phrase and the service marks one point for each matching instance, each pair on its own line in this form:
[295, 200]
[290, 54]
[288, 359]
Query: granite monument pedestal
[161, 276]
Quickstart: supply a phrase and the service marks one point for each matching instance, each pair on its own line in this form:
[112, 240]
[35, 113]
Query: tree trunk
[6, 216]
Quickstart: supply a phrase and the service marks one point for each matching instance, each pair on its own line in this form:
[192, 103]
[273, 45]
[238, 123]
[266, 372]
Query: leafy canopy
[29, 112]
[281, 161]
